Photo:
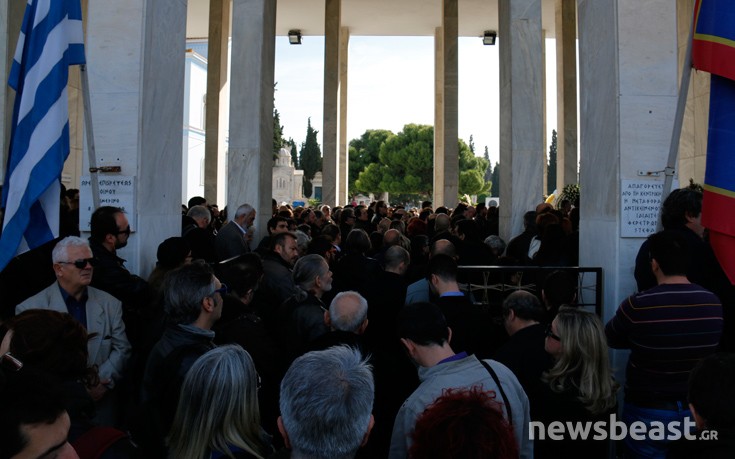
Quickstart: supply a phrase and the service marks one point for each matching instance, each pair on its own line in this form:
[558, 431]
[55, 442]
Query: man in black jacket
[111, 231]
[193, 303]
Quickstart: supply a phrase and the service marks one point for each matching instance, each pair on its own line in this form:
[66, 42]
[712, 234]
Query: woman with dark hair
[241, 324]
[579, 387]
[464, 424]
[171, 253]
[56, 343]
[355, 269]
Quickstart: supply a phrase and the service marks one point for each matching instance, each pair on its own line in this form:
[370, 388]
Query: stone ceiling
[376, 17]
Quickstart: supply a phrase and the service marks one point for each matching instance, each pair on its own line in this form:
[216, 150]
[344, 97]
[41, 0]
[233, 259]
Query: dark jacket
[722, 447]
[169, 361]
[473, 330]
[241, 325]
[275, 288]
[302, 321]
[354, 271]
[171, 357]
[525, 356]
[111, 276]
[201, 242]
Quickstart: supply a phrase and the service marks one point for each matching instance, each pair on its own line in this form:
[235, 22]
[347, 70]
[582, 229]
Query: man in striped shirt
[668, 329]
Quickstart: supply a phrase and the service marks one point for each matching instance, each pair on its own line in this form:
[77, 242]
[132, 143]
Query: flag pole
[91, 152]
[686, 75]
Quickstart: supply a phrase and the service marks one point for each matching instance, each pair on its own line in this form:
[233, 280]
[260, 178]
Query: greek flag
[51, 39]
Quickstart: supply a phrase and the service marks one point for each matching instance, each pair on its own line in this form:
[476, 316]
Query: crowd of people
[350, 332]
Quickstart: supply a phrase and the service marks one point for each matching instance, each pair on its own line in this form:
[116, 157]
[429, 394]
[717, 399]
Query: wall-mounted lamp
[489, 37]
[294, 37]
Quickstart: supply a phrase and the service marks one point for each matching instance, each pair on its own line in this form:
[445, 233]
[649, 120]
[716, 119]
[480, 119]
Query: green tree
[489, 170]
[551, 167]
[278, 140]
[310, 157]
[472, 144]
[405, 165]
[364, 151]
[471, 171]
[294, 153]
[495, 190]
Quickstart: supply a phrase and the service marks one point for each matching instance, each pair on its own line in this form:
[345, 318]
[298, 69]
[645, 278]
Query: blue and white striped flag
[51, 39]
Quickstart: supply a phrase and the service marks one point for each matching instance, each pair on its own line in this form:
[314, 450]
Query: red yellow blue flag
[713, 46]
[713, 50]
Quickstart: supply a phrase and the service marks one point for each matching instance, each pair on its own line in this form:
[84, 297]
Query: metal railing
[490, 285]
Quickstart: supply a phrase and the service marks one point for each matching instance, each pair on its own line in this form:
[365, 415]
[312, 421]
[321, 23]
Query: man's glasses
[550, 334]
[125, 231]
[81, 263]
[10, 363]
[222, 290]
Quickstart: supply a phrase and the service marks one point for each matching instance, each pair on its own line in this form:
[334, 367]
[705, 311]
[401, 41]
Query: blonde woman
[579, 387]
[217, 414]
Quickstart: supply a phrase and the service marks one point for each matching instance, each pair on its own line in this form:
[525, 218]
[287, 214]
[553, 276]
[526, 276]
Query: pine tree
[278, 140]
[294, 153]
[495, 190]
[472, 145]
[489, 171]
[551, 167]
[310, 157]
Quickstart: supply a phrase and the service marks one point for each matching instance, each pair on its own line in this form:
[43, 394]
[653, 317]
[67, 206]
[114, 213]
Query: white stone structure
[288, 182]
[195, 107]
[628, 64]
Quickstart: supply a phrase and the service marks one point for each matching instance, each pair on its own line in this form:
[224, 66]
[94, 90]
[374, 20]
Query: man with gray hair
[326, 404]
[234, 238]
[347, 313]
[198, 235]
[99, 312]
[192, 303]
[347, 320]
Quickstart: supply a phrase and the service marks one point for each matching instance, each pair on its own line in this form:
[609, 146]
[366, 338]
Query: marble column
[544, 123]
[628, 94]
[450, 105]
[250, 155]
[215, 146]
[566, 93]
[11, 18]
[521, 111]
[344, 156]
[330, 128]
[438, 197]
[135, 55]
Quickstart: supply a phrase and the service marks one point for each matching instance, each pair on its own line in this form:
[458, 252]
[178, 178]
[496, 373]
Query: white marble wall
[566, 92]
[218, 106]
[438, 196]
[343, 148]
[628, 89]
[135, 54]
[250, 155]
[330, 126]
[522, 146]
[11, 18]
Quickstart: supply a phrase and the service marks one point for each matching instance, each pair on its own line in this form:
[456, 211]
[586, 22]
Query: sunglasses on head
[550, 334]
[81, 263]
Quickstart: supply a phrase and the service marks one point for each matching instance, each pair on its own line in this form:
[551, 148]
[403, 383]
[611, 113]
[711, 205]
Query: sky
[391, 84]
